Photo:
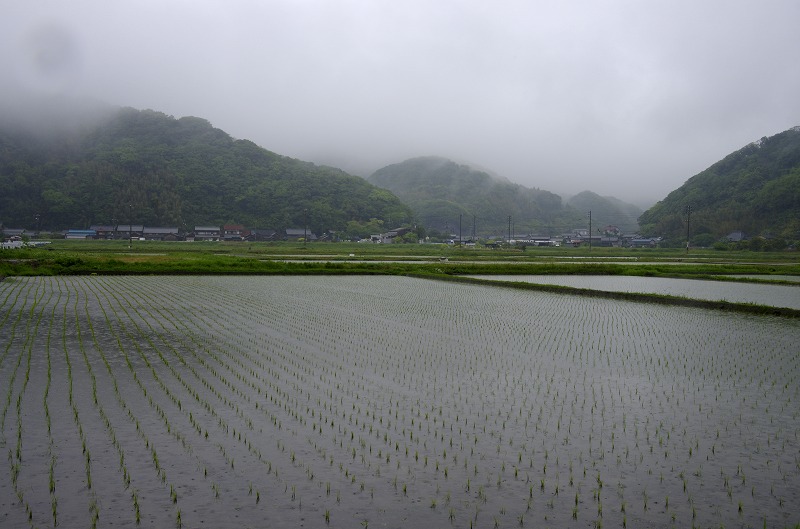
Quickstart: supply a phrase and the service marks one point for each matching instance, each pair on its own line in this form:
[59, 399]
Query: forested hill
[443, 193]
[607, 211]
[755, 190]
[174, 172]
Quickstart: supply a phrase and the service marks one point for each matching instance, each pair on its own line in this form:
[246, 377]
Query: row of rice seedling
[157, 397]
[51, 447]
[71, 448]
[25, 446]
[294, 460]
[652, 376]
[375, 399]
[653, 363]
[220, 364]
[129, 477]
[206, 375]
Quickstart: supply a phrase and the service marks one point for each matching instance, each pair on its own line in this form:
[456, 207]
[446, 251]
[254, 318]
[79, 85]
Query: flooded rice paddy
[758, 293]
[387, 402]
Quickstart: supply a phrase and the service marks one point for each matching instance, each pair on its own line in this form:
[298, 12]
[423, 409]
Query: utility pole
[473, 228]
[459, 228]
[130, 226]
[509, 230]
[590, 230]
[688, 217]
[305, 227]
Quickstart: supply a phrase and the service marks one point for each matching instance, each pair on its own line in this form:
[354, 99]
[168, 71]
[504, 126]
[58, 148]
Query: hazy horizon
[621, 98]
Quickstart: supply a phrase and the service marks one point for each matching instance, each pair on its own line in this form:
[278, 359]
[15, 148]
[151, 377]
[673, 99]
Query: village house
[296, 234]
[103, 231]
[80, 234]
[126, 231]
[258, 234]
[206, 233]
[160, 234]
[643, 243]
[234, 232]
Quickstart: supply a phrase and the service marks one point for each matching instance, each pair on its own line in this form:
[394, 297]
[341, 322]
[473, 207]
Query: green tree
[177, 171]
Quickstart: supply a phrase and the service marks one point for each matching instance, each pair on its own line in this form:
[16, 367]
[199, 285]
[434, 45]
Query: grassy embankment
[431, 261]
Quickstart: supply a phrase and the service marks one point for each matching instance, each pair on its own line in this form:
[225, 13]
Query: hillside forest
[145, 167]
[128, 166]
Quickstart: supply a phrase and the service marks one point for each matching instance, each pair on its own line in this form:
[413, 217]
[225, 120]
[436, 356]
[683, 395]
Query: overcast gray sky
[625, 98]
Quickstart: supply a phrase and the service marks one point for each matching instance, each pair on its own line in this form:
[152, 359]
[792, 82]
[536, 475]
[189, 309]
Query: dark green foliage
[175, 172]
[439, 191]
[755, 190]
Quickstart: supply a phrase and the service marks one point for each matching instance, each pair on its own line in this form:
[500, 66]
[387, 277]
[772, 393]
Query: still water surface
[761, 294]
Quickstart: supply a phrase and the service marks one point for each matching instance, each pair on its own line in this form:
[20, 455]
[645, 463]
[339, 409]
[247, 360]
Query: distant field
[430, 260]
[343, 250]
[214, 257]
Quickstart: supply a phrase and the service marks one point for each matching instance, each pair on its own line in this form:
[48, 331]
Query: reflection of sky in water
[371, 398]
[760, 294]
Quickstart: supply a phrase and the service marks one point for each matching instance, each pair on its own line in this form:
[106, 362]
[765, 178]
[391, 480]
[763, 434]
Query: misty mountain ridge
[76, 163]
[755, 190]
[482, 169]
[607, 211]
[50, 117]
[145, 167]
[445, 195]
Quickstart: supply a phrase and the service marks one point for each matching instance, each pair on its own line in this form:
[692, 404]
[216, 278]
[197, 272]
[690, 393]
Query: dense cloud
[620, 97]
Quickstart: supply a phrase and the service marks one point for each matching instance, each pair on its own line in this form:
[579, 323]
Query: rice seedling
[250, 396]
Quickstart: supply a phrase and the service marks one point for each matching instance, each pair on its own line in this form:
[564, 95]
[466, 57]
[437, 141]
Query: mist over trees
[607, 211]
[145, 167]
[755, 190]
[67, 164]
[443, 193]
